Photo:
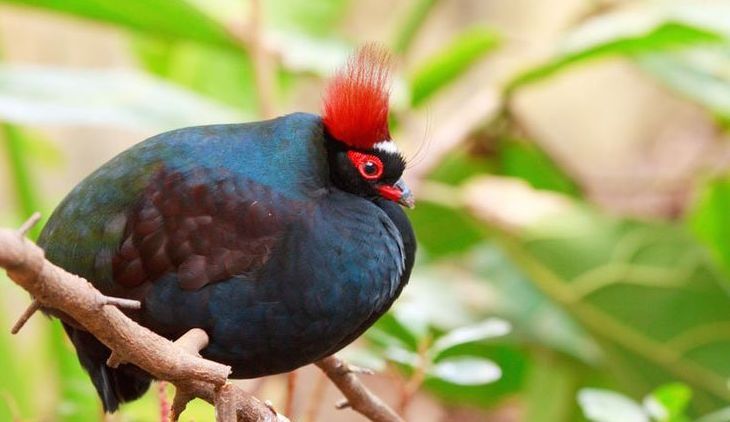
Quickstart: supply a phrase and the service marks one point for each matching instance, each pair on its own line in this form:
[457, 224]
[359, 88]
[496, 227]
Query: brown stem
[178, 363]
[358, 397]
[416, 380]
[29, 223]
[53, 287]
[25, 316]
[264, 70]
[315, 400]
[291, 387]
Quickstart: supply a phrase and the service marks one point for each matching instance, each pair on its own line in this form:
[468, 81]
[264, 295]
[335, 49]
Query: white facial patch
[386, 146]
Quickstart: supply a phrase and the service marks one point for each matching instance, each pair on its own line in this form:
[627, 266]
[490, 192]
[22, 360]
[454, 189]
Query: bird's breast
[327, 278]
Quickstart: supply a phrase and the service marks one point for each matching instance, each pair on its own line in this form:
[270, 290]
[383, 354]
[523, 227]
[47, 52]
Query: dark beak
[406, 199]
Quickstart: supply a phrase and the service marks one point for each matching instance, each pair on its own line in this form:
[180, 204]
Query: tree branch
[177, 362]
[358, 397]
[54, 288]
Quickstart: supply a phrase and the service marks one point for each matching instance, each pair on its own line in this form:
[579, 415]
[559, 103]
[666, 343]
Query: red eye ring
[369, 166]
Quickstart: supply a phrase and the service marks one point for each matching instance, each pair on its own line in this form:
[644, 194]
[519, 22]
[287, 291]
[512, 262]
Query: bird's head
[363, 158]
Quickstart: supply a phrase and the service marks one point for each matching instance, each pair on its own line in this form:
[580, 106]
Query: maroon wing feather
[205, 226]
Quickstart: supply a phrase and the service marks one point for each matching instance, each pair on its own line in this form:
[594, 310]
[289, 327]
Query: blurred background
[570, 160]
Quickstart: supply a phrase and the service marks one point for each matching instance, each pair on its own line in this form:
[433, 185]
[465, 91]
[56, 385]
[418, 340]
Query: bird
[284, 239]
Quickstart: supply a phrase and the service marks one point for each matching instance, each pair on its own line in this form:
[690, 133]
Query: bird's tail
[114, 385]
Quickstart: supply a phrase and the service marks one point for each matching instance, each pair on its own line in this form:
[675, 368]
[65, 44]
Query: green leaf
[15, 391]
[646, 291]
[551, 372]
[535, 318]
[484, 330]
[451, 62]
[16, 145]
[171, 19]
[722, 415]
[610, 406]
[443, 231]
[63, 96]
[218, 74]
[521, 158]
[460, 165]
[466, 370]
[312, 17]
[669, 402]
[645, 31]
[413, 23]
[78, 398]
[510, 358]
[701, 75]
[710, 220]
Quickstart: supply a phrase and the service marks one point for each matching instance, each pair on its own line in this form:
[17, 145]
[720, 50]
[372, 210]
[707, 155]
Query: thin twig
[29, 224]
[358, 397]
[291, 387]
[178, 362]
[119, 302]
[315, 400]
[57, 289]
[25, 316]
[179, 403]
[414, 383]
[114, 360]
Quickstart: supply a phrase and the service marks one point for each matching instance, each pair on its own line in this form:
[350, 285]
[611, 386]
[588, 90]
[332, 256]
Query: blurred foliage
[534, 298]
[450, 63]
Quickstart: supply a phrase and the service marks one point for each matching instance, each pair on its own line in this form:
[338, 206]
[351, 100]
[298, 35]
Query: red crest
[355, 106]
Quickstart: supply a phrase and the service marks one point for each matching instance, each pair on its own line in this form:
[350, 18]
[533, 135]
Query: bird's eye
[370, 169]
[369, 166]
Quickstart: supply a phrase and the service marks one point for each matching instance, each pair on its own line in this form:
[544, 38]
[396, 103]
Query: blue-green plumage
[242, 230]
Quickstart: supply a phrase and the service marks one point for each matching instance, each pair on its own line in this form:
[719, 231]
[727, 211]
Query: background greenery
[570, 161]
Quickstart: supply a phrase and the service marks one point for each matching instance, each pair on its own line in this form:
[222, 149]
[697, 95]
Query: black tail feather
[114, 385]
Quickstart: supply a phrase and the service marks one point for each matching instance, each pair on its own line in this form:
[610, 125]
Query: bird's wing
[204, 226]
[203, 202]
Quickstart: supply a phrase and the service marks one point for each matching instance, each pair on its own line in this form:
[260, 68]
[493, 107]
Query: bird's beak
[398, 192]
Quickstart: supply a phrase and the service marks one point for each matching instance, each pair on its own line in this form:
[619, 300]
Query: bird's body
[242, 230]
